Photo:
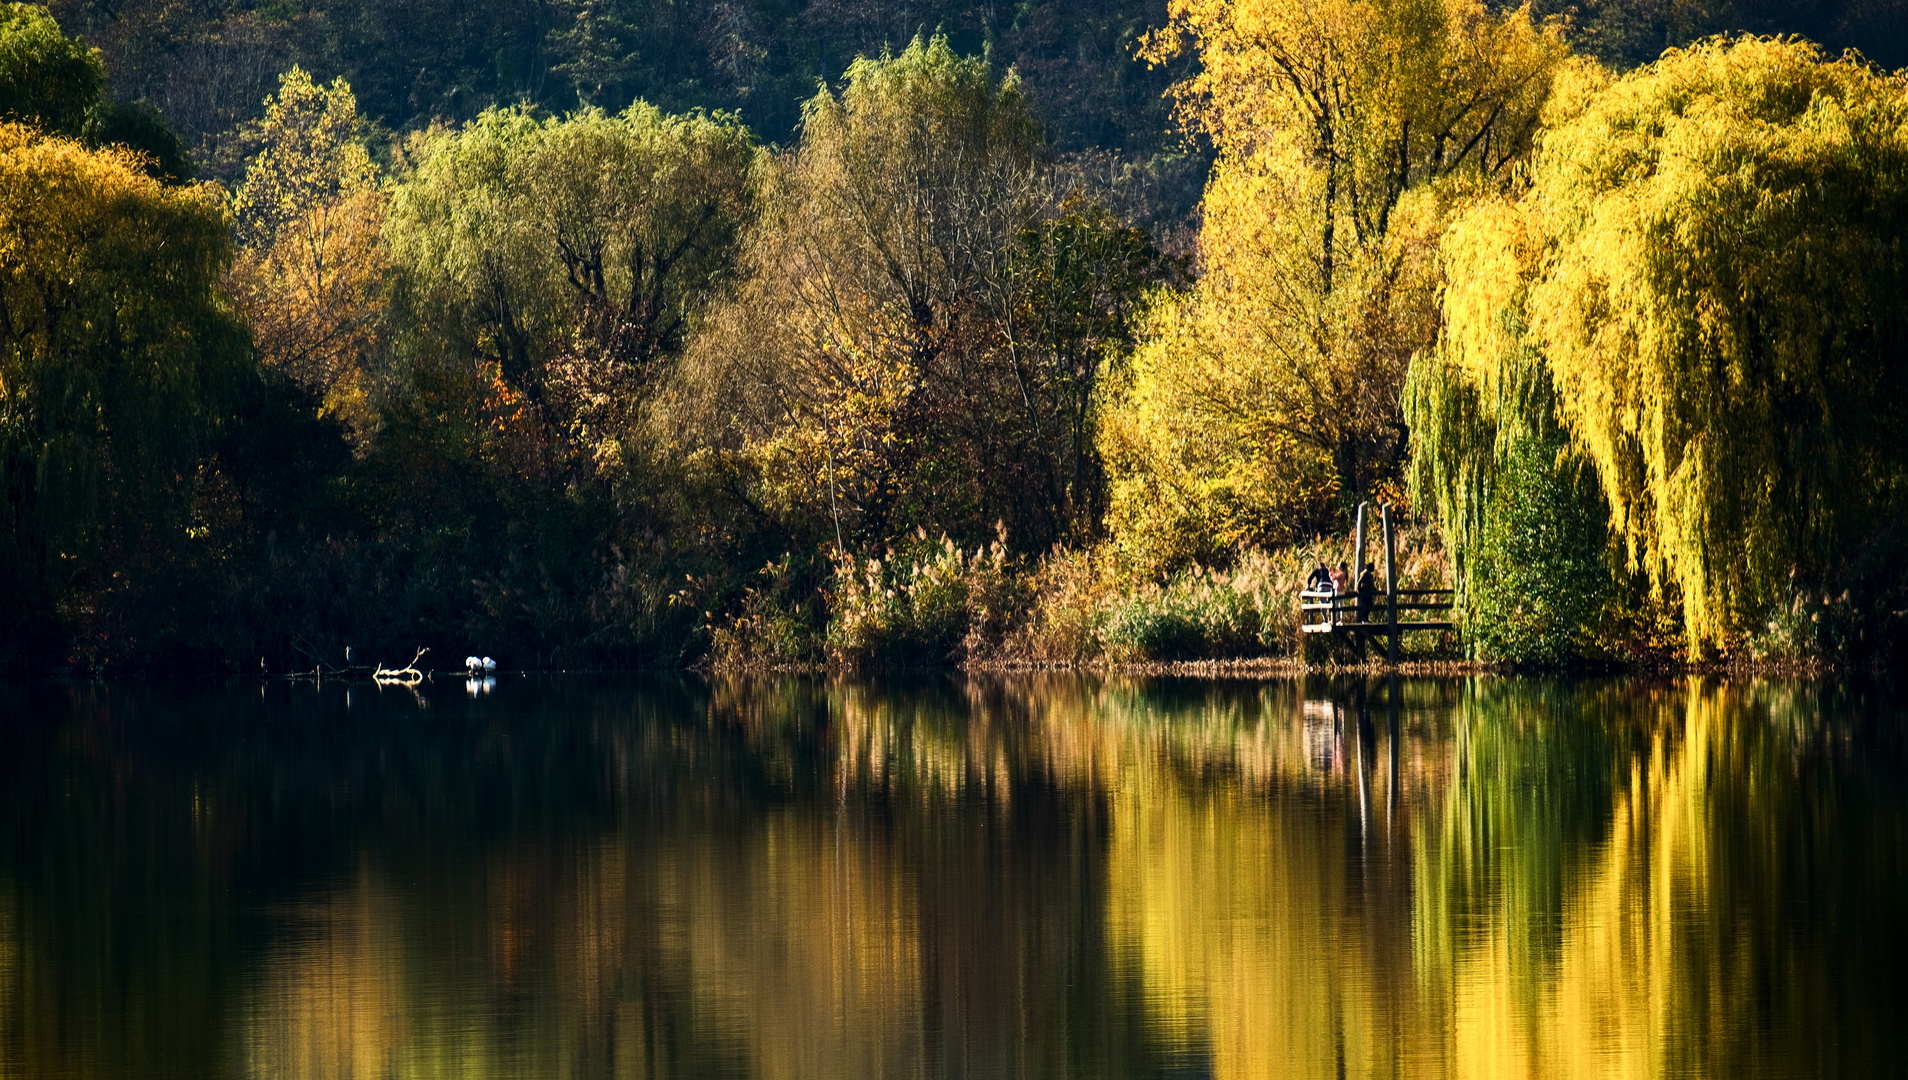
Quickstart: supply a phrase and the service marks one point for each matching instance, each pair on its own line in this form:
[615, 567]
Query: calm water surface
[954, 877]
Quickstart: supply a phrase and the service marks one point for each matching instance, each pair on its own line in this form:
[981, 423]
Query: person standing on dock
[1367, 591]
[1341, 585]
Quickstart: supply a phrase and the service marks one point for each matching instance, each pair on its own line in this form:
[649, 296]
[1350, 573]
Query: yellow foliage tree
[311, 269]
[1269, 393]
[1708, 266]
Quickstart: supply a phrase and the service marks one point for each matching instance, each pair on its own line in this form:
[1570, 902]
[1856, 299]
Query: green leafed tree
[1523, 515]
[140, 128]
[574, 254]
[57, 84]
[1708, 266]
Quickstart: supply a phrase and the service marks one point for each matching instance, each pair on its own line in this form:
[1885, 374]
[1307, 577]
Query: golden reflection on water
[1256, 938]
[331, 1003]
[802, 946]
[1067, 876]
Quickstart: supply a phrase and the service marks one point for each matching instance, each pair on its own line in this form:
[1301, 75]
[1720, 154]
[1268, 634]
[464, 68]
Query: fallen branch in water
[407, 675]
[318, 668]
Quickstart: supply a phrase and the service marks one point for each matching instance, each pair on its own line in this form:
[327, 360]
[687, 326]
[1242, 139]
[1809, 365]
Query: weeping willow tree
[1522, 511]
[1708, 270]
[118, 352]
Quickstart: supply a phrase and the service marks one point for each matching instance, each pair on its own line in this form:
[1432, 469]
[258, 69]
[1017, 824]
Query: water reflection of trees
[1051, 875]
[1581, 880]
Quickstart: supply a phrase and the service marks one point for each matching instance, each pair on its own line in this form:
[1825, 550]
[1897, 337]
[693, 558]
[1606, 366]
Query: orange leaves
[315, 298]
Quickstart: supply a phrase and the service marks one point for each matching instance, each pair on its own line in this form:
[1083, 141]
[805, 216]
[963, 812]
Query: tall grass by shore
[930, 602]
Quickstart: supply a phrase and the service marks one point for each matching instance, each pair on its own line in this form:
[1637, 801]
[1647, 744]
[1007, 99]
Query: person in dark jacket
[1367, 591]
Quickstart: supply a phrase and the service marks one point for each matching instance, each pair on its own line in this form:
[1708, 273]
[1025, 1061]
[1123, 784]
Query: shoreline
[1285, 667]
[1238, 667]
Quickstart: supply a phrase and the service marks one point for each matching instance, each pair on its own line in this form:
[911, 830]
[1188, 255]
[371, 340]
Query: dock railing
[1328, 606]
[1327, 611]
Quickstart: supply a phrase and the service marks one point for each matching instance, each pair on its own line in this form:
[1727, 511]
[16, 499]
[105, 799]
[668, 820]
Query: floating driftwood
[408, 675]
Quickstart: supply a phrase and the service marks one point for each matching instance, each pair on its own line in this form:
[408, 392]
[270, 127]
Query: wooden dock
[1328, 612]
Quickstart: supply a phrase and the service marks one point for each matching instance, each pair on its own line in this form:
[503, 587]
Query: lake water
[944, 876]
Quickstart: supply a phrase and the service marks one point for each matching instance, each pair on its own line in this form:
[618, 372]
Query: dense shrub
[1196, 615]
[1539, 582]
[778, 623]
[929, 602]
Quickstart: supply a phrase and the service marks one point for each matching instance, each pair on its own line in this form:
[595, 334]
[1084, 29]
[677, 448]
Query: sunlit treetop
[1387, 94]
[309, 155]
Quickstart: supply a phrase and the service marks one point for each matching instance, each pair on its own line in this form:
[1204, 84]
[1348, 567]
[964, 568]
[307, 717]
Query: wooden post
[1391, 588]
[1358, 546]
[1357, 564]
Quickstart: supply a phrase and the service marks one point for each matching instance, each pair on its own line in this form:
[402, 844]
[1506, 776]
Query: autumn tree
[1067, 301]
[47, 80]
[1267, 398]
[118, 352]
[57, 84]
[311, 268]
[922, 326]
[877, 233]
[1708, 269]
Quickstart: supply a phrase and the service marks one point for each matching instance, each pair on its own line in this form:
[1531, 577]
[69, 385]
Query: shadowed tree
[57, 84]
[47, 80]
[118, 353]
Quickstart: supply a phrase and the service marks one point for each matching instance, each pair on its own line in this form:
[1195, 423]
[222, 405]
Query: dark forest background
[207, 65]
